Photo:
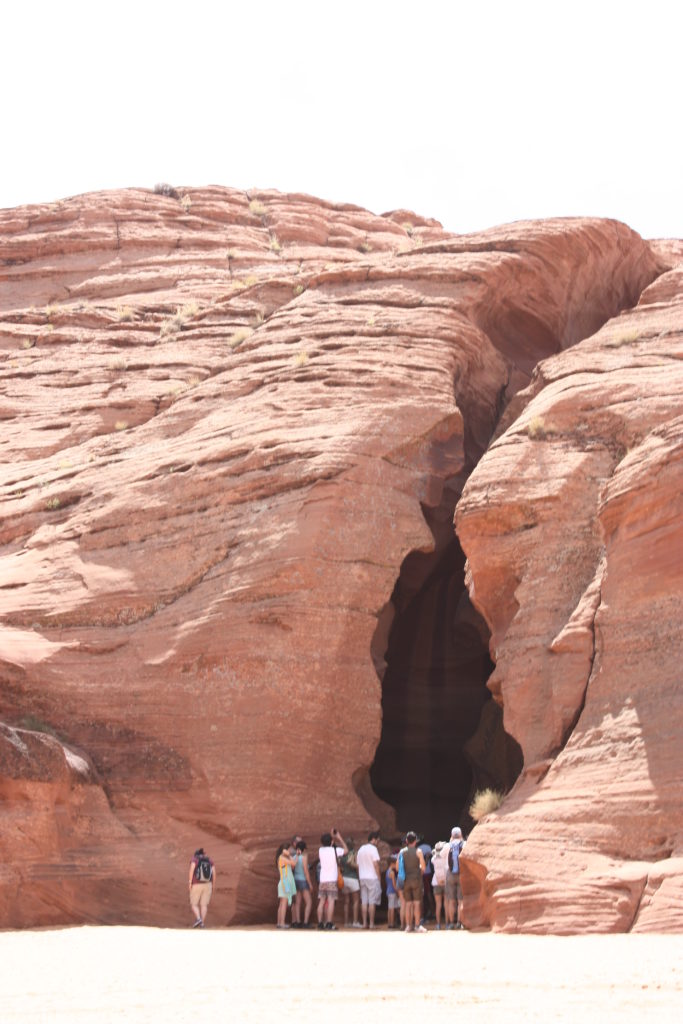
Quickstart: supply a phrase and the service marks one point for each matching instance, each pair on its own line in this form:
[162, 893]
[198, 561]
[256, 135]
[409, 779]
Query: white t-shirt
[367, 857]
[328, 862]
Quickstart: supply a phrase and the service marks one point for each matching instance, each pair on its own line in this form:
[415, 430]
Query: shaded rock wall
[227, 419]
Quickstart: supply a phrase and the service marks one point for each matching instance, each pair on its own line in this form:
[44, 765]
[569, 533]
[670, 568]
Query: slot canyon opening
[442, 733]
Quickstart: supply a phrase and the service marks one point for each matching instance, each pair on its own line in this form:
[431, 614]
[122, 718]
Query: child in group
[393, 901]
[286, 888]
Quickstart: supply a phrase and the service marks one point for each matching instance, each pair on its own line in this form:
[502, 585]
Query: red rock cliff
[227, 421]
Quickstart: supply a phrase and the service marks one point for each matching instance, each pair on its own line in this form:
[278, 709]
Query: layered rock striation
[228, 420]
[572, 527]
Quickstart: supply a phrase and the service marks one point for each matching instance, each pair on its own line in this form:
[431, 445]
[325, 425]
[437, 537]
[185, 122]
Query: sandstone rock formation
[572, 526]
[233, 427]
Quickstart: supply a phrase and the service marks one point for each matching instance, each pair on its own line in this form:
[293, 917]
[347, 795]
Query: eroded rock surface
[572, 526]
[227, 419]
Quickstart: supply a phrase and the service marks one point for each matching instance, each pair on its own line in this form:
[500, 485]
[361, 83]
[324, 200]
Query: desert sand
[257, 974]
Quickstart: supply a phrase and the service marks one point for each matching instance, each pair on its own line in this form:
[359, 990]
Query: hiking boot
[330, 927]
[321, 925]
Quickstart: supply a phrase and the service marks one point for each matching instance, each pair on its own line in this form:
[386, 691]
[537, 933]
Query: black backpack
[203, 870]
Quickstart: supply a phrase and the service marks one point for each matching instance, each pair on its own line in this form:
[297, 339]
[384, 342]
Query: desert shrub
[297, 290]
[178, 319]
[186, 202]
[624, 338]
[301, 358]
[164, 189]
[34, 724]
[257, 208]
[275, 244]
[124, 313]
[240, 335]
[485, 801]
[537, 428]
[52, 504]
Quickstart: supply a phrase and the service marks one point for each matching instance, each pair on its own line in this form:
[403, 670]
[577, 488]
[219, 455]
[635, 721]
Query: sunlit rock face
[573, 529]
[232, 425]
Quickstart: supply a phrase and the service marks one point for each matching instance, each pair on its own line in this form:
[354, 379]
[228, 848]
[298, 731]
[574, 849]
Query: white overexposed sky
[473, 112]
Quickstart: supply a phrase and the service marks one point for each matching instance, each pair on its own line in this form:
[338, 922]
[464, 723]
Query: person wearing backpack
[411, 866]
[453, 892]
[200, 883]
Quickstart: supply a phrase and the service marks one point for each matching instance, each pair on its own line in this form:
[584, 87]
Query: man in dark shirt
[414, 866]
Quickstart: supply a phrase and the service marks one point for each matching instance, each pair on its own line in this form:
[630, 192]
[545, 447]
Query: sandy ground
[146, 974]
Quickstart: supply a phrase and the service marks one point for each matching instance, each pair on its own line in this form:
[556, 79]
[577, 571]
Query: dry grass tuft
[240, 335]
[257, 208]
[624, 338]
[537, 429]
[124, 313]
[485, 802]
[179, 319]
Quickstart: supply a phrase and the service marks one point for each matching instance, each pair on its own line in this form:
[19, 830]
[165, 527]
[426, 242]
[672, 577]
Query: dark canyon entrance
[442, 733]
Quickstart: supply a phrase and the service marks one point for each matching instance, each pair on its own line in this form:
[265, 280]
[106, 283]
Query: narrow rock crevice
[431, 651]
[442, 732]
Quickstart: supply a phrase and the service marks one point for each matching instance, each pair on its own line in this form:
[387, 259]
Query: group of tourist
[421, 882]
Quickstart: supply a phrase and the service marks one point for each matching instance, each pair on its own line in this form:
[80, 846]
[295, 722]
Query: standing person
[286, 886]
[393, 901]
[370, 879]
[302, 880]
[349, 870]
[427, 878]
[328, 889]
[413, 866]
[200, 884]
[440, 866]
[453, 890]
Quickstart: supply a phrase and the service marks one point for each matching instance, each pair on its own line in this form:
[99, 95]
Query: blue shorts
[301, 884]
